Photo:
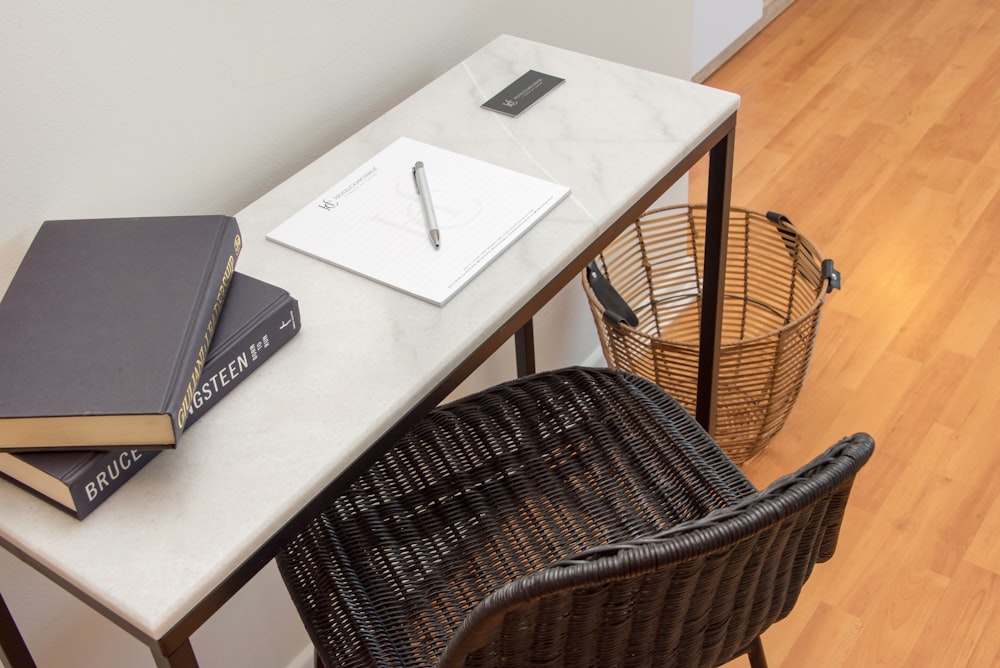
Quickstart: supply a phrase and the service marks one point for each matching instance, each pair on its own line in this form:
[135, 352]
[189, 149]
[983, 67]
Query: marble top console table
[204, 519]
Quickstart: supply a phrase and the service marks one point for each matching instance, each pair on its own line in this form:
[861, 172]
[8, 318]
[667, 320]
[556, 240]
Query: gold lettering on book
[219, 380]
[220, 298]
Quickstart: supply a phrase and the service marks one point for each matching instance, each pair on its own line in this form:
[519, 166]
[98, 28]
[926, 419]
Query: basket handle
[830, 274]
[787, 235]
[616, 309]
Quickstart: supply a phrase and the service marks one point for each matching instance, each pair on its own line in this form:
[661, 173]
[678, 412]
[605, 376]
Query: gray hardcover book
[257, 320]
[106, 326]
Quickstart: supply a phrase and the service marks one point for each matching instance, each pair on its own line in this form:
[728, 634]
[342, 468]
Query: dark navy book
[257, 320]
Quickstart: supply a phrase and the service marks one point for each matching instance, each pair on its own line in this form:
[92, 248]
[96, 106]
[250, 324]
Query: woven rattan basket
[775, 285]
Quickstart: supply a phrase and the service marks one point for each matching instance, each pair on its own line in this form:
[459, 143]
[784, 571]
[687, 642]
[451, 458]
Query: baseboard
[596, 359]
[772, 8]
[304, 659]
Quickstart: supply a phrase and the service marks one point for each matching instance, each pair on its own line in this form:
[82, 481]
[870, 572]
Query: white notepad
[371, 222]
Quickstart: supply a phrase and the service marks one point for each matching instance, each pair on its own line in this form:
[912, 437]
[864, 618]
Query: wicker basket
[775, 286]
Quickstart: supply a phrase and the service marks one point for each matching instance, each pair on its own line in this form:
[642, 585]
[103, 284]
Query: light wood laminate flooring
[874, 126]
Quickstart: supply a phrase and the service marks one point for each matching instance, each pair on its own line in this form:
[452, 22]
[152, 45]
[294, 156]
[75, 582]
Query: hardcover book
[106, 326]
[257, 320]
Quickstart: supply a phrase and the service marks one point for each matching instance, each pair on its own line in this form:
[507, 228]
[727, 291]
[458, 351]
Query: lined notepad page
[371, 222]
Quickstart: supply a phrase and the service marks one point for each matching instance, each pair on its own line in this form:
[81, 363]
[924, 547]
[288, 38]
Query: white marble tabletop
[366, 354]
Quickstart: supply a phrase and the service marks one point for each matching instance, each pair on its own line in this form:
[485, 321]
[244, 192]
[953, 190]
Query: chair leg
[317, 662]
[756, 654]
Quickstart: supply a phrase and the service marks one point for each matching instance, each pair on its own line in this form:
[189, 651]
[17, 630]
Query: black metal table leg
[524, 345]
[13, 651]
[720, 172]
[182, 657]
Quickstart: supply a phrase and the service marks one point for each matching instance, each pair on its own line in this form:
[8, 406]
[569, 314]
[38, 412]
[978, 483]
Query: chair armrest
[759, 551]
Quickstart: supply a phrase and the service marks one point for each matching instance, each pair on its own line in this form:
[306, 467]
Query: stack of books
[118, 335]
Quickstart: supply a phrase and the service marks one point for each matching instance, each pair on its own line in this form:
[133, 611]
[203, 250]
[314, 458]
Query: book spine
[105, 475]
[230, 366]
[229, 251]
[224, 370]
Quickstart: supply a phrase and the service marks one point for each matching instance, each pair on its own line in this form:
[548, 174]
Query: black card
[523, 93]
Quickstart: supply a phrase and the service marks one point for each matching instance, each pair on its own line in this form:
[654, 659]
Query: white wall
[114, 107]
[120, 108]
[717, 24]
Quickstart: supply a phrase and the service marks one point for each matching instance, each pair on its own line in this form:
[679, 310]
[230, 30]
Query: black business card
[523, 93]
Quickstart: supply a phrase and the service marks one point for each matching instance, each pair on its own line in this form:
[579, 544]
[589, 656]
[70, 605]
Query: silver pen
[424, 193]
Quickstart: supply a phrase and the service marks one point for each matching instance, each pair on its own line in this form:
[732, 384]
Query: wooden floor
[874, 126]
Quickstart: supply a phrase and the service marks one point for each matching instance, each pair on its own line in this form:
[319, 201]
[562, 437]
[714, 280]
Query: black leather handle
[616, 310]
[829, 273]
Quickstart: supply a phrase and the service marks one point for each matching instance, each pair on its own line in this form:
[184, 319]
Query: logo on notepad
[348, 190]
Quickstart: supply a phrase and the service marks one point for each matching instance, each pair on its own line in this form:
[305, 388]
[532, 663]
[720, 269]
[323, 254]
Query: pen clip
[416, 181]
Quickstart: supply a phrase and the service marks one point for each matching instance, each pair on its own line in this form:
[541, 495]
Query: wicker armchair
[571, 518]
